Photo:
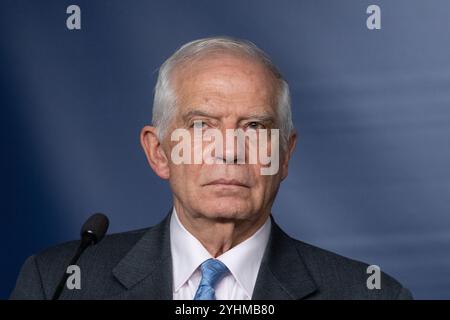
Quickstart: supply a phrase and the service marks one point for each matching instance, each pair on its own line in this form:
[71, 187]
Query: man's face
[224, 92]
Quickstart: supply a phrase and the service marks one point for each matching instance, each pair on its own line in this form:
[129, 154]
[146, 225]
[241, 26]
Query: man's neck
[219, 235]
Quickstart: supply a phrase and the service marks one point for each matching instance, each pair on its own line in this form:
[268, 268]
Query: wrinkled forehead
[229, 82]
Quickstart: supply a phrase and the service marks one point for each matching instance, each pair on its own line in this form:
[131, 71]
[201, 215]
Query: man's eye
[199, 124]
[255, 125]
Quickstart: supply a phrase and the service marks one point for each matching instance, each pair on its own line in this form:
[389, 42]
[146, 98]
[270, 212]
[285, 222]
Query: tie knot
[212, 271]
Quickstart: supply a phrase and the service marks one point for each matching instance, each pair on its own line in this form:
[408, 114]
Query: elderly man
[219, 241]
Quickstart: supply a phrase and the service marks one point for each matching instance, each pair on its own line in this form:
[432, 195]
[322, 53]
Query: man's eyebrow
[193, 113]
[260, 116]
[264, 117]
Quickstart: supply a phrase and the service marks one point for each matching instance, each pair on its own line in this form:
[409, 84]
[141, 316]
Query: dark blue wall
[370, 178]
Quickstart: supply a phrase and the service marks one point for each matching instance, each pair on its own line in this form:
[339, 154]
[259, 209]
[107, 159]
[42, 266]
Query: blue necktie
[212, 271]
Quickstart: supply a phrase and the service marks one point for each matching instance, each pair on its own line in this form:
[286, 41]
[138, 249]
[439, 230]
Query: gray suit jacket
[138, 265]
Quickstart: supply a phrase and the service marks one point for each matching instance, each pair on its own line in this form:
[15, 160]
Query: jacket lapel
[146, 271]
[283, 274]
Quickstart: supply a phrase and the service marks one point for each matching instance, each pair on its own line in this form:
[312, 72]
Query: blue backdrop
[370, 178]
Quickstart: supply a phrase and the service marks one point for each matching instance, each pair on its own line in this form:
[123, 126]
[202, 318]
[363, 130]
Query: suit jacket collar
[283, 274]
[146, 271]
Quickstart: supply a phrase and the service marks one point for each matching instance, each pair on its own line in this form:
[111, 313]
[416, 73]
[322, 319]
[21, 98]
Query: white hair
[165, 100]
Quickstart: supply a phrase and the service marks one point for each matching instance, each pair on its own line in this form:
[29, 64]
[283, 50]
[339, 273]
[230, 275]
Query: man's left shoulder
[339, 277]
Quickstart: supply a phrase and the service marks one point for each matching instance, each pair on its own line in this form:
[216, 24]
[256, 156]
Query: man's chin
[227, 212]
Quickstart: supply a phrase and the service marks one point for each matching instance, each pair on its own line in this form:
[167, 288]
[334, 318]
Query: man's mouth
[227, 182]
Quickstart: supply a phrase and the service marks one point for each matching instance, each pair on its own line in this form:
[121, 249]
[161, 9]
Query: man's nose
[233, 151]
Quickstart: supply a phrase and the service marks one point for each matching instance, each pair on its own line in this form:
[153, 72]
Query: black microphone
[92, 232]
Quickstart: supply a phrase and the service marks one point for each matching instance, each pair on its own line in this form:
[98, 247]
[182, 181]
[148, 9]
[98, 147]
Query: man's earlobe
[154, 152]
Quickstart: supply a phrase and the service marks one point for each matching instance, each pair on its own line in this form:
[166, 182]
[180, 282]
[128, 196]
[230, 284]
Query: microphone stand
[87, 239]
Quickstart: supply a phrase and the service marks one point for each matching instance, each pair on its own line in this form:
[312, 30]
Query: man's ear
[156, 156]
[288, 154]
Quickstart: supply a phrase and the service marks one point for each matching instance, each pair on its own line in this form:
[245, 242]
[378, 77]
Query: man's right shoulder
[116, 244]
[41, 272]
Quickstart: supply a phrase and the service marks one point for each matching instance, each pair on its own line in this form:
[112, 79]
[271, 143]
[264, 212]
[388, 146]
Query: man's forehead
[224, 70]
[226, 108]
[225, 85]
[212, 60]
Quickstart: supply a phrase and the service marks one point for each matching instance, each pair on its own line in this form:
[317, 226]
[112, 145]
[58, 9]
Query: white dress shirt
[243, 261]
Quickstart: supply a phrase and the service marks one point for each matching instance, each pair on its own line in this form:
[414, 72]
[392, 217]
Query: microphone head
[95, 227]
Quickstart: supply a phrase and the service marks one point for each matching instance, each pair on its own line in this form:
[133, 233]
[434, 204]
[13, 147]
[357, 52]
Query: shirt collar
[187, 252]
[243, 260]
